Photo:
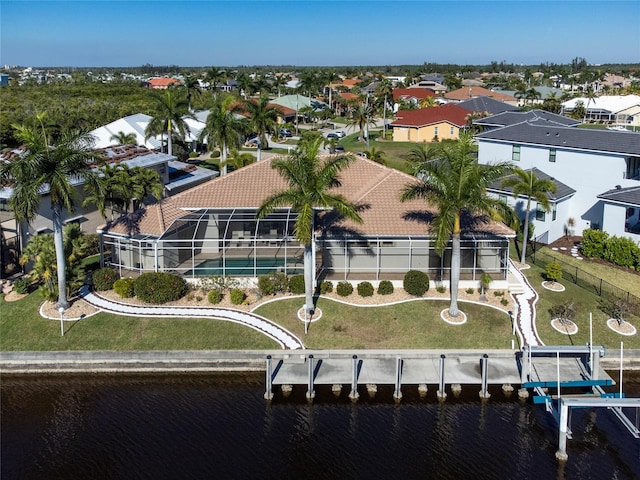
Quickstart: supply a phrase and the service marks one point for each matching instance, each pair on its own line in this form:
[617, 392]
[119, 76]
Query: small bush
[344, 289]
[214, 297]
[385, 287]
[365, 289]
[273, 283]
[504, 301]
[564, 311]
[553, 271]
[21, 285]
[104, 278]
[125, 287]
[470, 291]
[160, 287]
[326, 287]
[416, 283]
[498, 293]
[621, 251]
[215, 154]
[237, 296]
[442, 289]
[193, 154]
[296, 284]
[593, 242]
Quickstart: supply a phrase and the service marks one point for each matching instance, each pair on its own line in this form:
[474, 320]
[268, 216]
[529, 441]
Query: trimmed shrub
[553, 271]
[237, 296]
[344, 289]
[193, 154]
[326, 287]
[504, 301]
[593, 242]
[22, 285]
[125, 287]
[296, 284]
[498, 293]
[470, 291]
[621, 251]
[160, 287]
[442, 289]
[365, 289]
[104, 278]
[273, 283]
[416, 283]
[385, 287]
[214, 297]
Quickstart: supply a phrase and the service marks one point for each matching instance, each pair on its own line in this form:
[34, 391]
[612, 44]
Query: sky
[114, 33]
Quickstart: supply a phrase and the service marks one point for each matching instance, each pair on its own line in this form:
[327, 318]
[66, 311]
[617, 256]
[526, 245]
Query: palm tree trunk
[308, 278]
[223, 158]
[455, 273]
[60, 260]
[525, 231]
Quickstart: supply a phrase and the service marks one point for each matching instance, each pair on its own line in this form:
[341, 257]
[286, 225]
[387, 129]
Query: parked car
[333, 135]
[341, 134]
[285, 132]
[252, 142]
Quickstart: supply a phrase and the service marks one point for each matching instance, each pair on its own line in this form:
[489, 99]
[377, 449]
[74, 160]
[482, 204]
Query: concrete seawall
[226, 360]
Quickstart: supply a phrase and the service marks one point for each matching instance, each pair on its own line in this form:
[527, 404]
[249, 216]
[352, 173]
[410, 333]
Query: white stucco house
[615, 109]
[595, 164]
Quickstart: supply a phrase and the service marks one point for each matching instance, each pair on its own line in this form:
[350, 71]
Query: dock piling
[268, 394]
[441, 393]
[397, 394]
[310, 391]
[484, 362]
[353, 395]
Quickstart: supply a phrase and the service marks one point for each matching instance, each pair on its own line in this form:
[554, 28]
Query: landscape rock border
[625, 329]
[568, 328]
[553, 286]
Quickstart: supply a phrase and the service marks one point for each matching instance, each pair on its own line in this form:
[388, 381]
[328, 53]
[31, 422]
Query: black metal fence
[587, 281]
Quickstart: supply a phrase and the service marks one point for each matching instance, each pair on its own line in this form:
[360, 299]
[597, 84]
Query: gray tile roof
[506, 119]
[487, 104]
[562, 190]
[629, 195]
[548, 134]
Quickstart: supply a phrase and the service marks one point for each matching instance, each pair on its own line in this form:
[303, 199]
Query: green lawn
[395, 152]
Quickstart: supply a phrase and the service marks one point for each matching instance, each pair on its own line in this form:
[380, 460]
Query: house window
[502, 198]
[515, 153]
[540, 213]
[553, 211]
[633, 167]
[435, 131]
[552, 155]
[451, 131]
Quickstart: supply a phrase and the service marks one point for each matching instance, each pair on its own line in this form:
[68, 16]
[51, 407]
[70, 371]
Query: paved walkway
[525, 308]
[285, 338]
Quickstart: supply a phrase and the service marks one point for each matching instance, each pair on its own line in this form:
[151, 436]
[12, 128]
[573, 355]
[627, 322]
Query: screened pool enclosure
[233, 242]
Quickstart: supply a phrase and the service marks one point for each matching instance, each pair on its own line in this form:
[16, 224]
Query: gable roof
[374, 187]
[296, 102]
[626, 196]
[449, 113]
[487, 104]
[606, 103]
[505, 119]
[545, 133]
[562, 190]
[465, 93]
[163, 82]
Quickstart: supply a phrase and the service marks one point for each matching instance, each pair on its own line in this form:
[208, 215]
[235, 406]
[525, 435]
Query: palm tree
[214, 75]
[48, 166]
[263, 119]
[223, 129]
[105, 190]
[122, 138]
[169, 118]
[428, 102]
[192, 86]
[361, 118]
[376, 155]
[455, 183]
[310, 181]
[525, 183]
[145, 182]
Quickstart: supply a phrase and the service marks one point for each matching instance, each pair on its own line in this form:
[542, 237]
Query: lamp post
[61, 310]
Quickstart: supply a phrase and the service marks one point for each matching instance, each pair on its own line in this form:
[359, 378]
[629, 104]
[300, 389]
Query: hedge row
[620, 251]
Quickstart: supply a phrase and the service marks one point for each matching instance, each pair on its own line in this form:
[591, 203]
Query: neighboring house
[487, 104]
[212, 230]
[4, 79]
[543, 93]
[616, 109]
[427, 124]
[161, 83]
[137, 124]
[593, 162]
[175, 176]
[465, 93]
[546, 224]
[295, 102]
[509, 118]
[621, 214]
[412, 95]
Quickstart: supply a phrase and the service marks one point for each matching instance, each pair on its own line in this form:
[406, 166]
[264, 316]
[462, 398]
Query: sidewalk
[525, 308]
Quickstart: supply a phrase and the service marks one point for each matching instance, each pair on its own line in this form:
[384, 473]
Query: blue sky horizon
[103, 33]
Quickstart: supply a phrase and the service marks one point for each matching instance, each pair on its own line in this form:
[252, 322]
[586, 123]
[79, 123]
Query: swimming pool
[245, 266]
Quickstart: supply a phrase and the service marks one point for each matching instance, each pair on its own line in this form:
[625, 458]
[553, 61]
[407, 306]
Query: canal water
[218, 426]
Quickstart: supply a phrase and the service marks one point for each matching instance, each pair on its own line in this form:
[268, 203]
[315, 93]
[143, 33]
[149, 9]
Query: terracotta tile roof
[153, 220]
[428, 116]
[163, 82]
[419, 93]
[349, 82]
[465, 93]
[348, 95]
[373, 187]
